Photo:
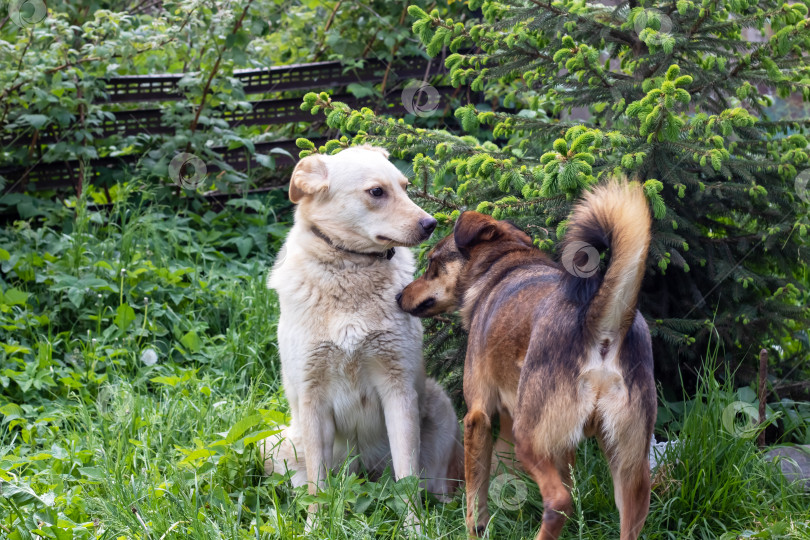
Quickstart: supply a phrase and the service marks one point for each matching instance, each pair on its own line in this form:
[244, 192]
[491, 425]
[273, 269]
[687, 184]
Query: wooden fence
[44, 175]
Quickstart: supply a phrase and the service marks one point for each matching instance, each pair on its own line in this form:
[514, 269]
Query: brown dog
[558, 350]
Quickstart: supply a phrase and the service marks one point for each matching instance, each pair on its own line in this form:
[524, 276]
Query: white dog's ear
[310, 176]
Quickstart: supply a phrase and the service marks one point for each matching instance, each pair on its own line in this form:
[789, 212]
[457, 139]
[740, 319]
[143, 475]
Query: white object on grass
[149, 357]
[657, 451]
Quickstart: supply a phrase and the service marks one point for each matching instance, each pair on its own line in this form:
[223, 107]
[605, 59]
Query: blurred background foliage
[53, 73]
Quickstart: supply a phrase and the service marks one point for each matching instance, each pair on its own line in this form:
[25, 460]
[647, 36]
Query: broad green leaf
[41, 456]
[12, 411]
[360, 90]
[14, 349]
[21, 495]
[124, 316]
[93, 473]
[244, 245]
[171, 381]
[243, 425]
[76, 296]
[15, 297]
[36, 121]
[55, 532]
[260, 436]
[265, 160]
[747, 394]
[273, 417]
[201, 453]
[191, 341]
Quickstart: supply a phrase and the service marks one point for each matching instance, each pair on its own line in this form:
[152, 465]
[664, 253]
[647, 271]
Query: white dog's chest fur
[346, 384]
[343, 305]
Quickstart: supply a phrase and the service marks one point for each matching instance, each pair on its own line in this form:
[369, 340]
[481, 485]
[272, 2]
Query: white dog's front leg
[318, 436]
[401, 407]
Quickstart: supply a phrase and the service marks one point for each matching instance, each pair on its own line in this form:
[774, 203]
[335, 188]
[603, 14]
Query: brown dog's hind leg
[477, 458]
[565, 464]
[633, 489]
[557, 503]
[630, 469]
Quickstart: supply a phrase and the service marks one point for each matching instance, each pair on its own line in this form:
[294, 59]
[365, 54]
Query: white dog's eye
[376, 192]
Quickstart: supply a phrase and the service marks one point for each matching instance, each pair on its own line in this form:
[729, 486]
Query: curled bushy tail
[613, 216]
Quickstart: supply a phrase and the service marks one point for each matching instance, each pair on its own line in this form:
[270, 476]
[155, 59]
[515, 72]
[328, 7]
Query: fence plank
[63, 174]
[265, 112]
[313, 76]
[166, 87]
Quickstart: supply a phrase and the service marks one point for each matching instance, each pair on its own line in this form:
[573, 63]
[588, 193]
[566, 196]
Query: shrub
[672, 95]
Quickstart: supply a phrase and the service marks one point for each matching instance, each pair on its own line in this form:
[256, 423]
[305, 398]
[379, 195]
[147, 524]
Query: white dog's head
[358, 198]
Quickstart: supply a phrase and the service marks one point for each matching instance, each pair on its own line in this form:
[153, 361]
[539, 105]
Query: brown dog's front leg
[477, 457]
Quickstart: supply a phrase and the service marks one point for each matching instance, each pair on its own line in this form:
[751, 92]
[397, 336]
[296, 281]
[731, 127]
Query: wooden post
[763, 376]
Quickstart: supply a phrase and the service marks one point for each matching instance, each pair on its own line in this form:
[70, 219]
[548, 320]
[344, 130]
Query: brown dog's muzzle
[416, 300]
[433, 293]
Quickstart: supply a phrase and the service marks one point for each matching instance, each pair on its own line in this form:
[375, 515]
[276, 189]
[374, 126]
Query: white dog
[351, 360]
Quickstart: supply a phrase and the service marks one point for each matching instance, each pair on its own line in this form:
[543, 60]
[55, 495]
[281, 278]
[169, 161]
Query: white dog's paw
[412, 525]
[312, 519]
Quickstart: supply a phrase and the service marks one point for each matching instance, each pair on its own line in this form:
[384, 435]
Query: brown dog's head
[435, 291]
[474, 230]
[438, 290]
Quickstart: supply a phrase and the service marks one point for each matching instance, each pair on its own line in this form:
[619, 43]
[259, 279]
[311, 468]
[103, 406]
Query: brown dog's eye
[376, 192]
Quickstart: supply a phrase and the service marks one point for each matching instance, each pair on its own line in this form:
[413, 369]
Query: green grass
[95, 443]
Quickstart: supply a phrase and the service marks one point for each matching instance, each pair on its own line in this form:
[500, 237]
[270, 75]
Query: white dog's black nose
[399, 299]
[427, 225]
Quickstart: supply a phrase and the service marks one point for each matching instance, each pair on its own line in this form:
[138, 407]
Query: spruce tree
[672, 95]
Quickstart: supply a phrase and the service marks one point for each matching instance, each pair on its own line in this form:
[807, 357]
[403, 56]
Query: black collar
[387, 254]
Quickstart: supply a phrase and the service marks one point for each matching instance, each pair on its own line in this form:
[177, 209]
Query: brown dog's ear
[473, 228]
[309, 177]
[521, 235]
